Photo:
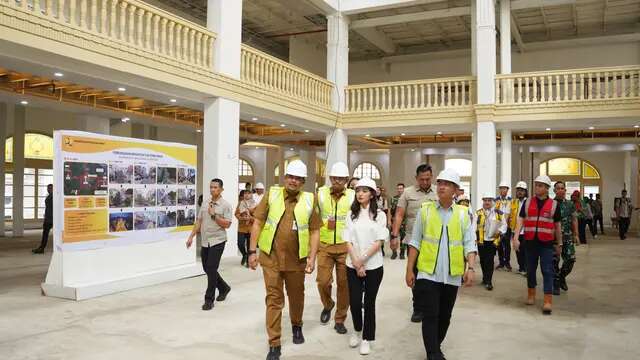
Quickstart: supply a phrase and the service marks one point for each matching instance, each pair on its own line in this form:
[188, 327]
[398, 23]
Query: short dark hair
[423, 168]
[400, 184]
[219, 181]
[559, 182]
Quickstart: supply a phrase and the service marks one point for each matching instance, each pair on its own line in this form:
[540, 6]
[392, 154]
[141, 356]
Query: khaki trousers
[274, 283]
[330, 256]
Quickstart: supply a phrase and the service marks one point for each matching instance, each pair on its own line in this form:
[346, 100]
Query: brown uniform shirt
[284, 251]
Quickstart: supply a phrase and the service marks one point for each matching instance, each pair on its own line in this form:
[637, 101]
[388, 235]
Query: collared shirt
[411, 200]
[257, 198]
[212, 233]
[284, 251]
[625, 207]
[362, 232]
[568, 214]
[442, 274]
[244, 207]
[491, 224]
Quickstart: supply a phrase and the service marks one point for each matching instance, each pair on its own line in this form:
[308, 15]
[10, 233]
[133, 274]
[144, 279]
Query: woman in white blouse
[365, 233]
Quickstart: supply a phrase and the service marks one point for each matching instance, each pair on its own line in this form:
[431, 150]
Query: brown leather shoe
[531, 298]
[546, 308]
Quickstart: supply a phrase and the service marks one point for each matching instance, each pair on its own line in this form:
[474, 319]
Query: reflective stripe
[336, 210]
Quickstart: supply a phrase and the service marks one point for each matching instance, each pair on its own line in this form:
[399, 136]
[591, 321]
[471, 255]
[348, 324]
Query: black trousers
[592, 229]
[436, 301]
[521, 254]
[597, 219]
[414, 299]
[371, 284]
[623, 226]
[504, 250]
[487, 252]
[243, 243]
[582, 230]
[210, 262]
[46, 228]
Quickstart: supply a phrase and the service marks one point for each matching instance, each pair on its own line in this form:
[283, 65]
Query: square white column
[505, 36]
[309, 158]
[336, 146]
[505, 160]
[338, 57]
[19, 120]
[485, 50]
[485, 153]
[224, 17]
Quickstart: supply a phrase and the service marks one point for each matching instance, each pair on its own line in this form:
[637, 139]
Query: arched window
[36, 146]
[276, 171]
[464, 169]
[577, 174]
[367, 169]
[244, 168]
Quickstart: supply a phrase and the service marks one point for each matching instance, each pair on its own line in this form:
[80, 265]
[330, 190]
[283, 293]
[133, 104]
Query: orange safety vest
[539, 221]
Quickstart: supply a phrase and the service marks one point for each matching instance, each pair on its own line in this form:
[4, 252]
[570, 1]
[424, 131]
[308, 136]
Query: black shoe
[38, 251]
[556, 289]
[417, 316]
[223, 294]
[325, 316]
[244, 260]
[298, 338]
[274, 353]
[489, 286]
[563, 284]
[207, 306]
[394, 255]
[509, 268]
[500, 267]
[340, 329]
[402, 255]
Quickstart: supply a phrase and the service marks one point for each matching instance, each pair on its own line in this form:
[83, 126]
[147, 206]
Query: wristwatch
[471, 268]
[251, 252]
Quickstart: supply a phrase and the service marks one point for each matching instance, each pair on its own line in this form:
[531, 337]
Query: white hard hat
[488, 195]
[463, 197]
[259, 186]
[339, 169]
[543, 179]
[449, 175]
[521, 185]
[297, 168]
[504, 184]
[366, 182]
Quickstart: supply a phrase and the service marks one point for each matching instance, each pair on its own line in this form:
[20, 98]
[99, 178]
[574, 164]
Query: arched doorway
[245, 173]
[577, 174]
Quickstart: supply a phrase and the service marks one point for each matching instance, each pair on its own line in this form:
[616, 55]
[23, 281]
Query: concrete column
[627, 172]
[200, 145]
[474, 168]
[95, 124]
[19, 120]
[272, 158]
[221, 136]
[338, 57]
[485, 150]
[224, 17]
[138, 131]
[525, 165]
[397, 166]
[505, 154]
[474, 37]
[437, 163]
[336, 149]
[485, 50]
[505, 36]
[152, 132]
[309, 158]
[3, 139]
[281, 165]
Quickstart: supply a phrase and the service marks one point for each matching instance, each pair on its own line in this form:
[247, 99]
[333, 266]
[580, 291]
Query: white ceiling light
[254, 119]
[283, 125]
[24, 102]
[173, 100]
[439, 133]
[403, 134]
[368, 135]
[413, 149]
[291, 149]
[199, 130]
[591, 127]
[125, 119]
[636, 126]
[122, 89]
[58, 74]
[306, 131]
[548, 129]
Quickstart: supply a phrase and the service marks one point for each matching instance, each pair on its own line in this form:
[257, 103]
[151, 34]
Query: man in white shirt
[257, 196]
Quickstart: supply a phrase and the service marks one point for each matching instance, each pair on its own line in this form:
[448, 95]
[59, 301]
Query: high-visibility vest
[515, 212]
[503, 205]
[432, 229]
[329, 208]
[482, 221]
[539, 221]
[302, 213]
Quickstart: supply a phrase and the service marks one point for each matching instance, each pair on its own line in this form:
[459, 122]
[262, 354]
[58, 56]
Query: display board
[116, 197]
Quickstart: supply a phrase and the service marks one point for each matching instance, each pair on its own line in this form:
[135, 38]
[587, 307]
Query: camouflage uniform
[393, 205]
[568, 213]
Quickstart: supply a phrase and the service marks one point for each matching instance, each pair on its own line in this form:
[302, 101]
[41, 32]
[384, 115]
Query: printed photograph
[186, 196]
[166, 219]
[145, 220]
[82, 178]
[120, 173]
[166, 197]
[186, 176]
[144, 174]
[186, 217]
[120, 198]
[166, 175]
[119, 222]
[145, 197]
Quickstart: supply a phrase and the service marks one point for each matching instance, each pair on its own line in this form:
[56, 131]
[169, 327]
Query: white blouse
[363, 232]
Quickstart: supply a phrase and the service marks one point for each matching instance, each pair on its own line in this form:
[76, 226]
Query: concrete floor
[598, 318]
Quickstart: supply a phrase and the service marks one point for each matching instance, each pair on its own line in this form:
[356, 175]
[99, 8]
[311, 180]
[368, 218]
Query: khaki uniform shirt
[284, 251]
[212, 233]
[411, 200]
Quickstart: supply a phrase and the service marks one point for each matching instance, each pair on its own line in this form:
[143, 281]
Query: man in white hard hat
[334, 203]
[443, 248]
[285, 229]
[516, 205]
[491, 225]
[409, 205]
[540, 217]
[503, 204]
[257, 196]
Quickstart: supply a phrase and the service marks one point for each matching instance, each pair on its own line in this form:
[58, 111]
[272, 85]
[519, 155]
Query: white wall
[308, 55]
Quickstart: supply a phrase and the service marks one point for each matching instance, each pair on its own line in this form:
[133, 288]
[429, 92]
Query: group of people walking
[343, 227]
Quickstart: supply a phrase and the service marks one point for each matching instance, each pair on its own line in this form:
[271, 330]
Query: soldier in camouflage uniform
[569, 239]
[393, 204]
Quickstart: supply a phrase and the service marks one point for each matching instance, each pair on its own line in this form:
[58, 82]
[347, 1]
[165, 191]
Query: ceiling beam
[327, 7]
[515, 33]
[378, 38]
[528, 4]
[351, 7]
[405, 18]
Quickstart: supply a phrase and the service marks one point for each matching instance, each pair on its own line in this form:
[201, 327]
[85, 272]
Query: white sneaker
[354, 340]
[365, 349]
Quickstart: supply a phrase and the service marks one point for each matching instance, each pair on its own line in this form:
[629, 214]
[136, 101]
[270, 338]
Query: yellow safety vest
[481, 221]
[515, 212]
[432, 229]
[329, 208]
[302, 213]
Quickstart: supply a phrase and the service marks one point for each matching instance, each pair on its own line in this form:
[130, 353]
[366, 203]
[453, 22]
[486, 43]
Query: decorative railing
[411, 95]
[569, 85]
[272, 74]
[131, 22]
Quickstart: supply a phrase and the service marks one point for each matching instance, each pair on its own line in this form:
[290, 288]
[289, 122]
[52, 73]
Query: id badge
[294, 227]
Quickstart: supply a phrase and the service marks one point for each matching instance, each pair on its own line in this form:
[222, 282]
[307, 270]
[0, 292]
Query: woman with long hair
[365, 233]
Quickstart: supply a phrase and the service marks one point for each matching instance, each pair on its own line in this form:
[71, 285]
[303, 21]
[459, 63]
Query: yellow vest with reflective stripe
[329, 208]
[482, 220]
[432, 229]
[302, 213]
